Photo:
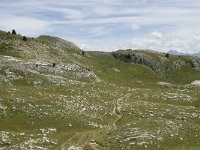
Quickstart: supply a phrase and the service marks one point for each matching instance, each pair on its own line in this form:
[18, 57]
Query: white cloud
[166, 42]
[154, 41]
[160, 25]
[24, 25]
[97, 31]
[157, 35]
[135, 27]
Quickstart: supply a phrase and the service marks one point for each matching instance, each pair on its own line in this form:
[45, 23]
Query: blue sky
[108, 25]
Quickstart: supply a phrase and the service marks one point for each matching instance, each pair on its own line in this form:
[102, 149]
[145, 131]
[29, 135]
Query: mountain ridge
[173, 52]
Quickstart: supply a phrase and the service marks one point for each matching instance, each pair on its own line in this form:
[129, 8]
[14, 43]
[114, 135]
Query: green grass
[119, 72]
[8, 50]
[82, 110]
[184, 75]
[9, 36]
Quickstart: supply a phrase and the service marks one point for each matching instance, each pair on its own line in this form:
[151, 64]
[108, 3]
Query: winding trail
[117, 108]
[81, 139]
[85, 137]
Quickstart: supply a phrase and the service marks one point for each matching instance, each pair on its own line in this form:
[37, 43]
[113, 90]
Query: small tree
[24, 38]
[8, 32]
[167, 55]
[83, 53]
[14, 32]
[54, 64]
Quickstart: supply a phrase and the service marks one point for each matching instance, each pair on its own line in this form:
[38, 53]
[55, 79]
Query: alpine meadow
[58, 95]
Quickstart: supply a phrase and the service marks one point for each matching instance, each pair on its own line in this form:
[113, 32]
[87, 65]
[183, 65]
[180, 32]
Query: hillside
[55, 96]
[176, 69]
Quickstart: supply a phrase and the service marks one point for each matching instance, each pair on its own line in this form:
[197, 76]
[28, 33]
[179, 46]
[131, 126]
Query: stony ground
[54, 97]
[52, 112]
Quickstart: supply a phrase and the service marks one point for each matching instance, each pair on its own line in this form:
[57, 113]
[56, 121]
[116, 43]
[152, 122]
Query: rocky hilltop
[158, 62]
[41, 60]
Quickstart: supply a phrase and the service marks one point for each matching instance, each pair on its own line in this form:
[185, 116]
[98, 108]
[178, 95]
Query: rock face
[194, 62]
[159, 64]
[34, 72]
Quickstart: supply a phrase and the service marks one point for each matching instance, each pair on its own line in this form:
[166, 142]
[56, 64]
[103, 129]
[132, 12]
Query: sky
[108, 25]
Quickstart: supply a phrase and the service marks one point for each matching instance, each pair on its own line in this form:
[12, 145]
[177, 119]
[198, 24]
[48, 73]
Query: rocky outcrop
[159, 64]
[32, 72]
[156, 65]
[194, 62]
[196, 83]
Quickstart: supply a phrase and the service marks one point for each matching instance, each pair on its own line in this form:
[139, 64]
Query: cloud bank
[108, 25]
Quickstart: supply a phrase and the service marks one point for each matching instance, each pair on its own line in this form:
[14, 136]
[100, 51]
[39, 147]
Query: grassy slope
[119, 72]
[128, 97]
[184, 75]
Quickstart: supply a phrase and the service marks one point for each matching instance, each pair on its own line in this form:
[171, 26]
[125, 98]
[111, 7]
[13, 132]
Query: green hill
[55, 96]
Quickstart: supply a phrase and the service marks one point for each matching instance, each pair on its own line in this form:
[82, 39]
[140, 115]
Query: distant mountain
[197, 54]
[173, 52]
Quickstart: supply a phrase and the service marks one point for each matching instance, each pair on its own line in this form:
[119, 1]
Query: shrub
[24, 38]
[14, 32]
[167, 55]
[54, 64]
[83, 53]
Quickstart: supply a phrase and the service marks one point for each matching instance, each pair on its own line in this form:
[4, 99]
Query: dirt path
[84, 138]
[81, 139]
[117, 108]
